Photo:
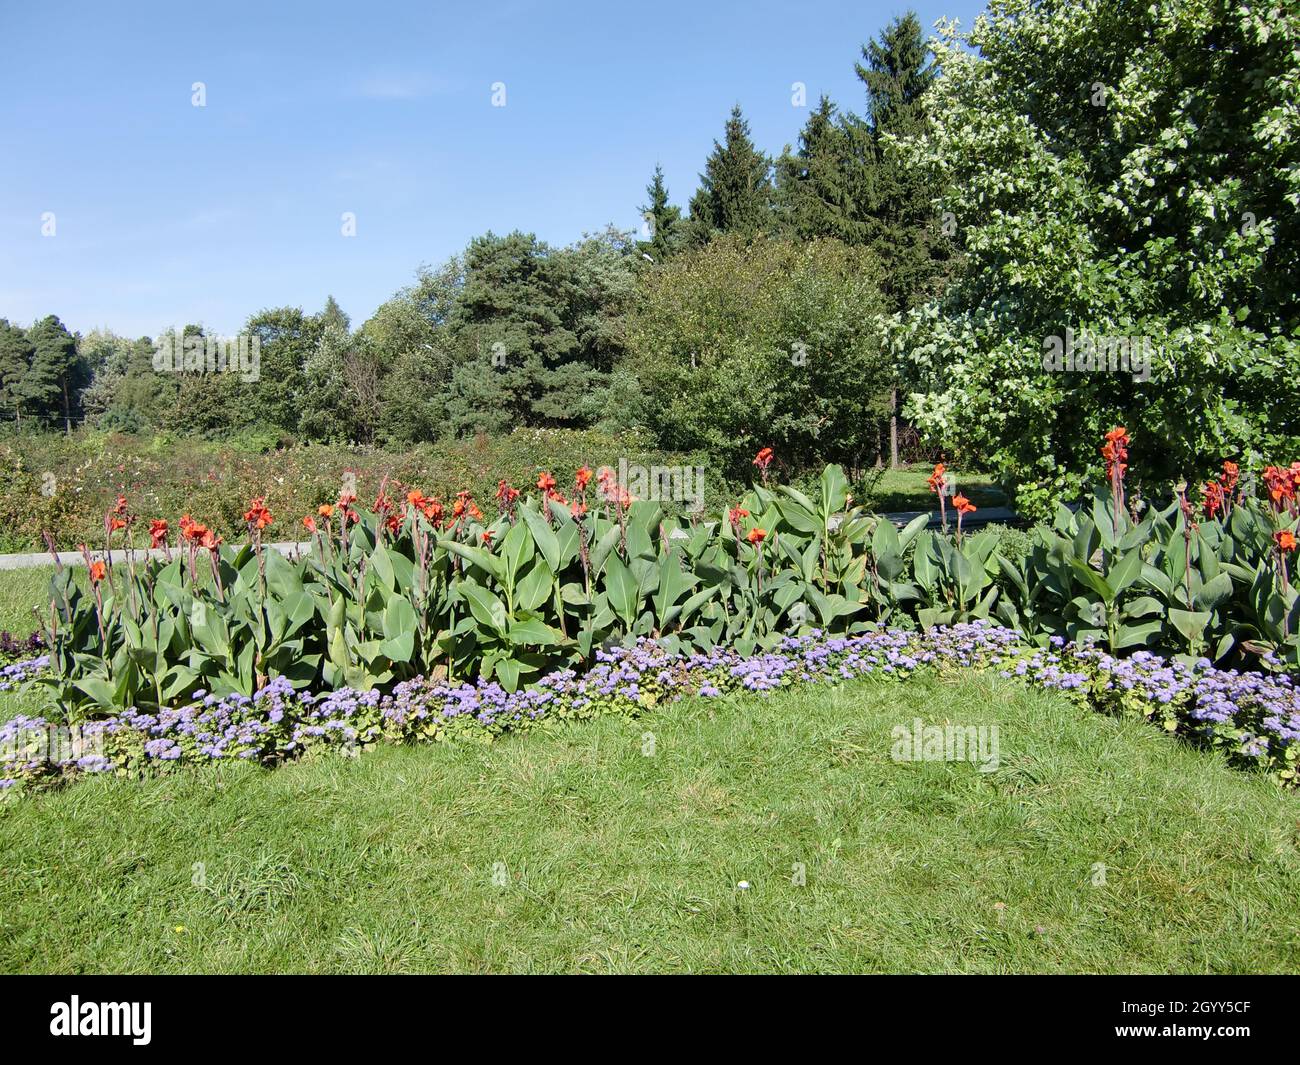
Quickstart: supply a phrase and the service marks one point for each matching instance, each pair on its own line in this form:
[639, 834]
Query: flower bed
[1254, 718]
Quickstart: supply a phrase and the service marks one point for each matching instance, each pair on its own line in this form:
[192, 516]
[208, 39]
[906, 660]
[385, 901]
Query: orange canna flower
[98, 571]
[963, 505]
[1285, 540]
[325, 510]
[157, 532]
[582, 478]
[756, 536]
[763, 459]
[257, 514]
[309, 523]
[546, 482]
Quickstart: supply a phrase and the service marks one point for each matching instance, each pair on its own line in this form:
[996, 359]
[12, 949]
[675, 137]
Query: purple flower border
[1253, 717]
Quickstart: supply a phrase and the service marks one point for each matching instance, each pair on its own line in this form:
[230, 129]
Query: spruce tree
[663, 220]
[901, 224]
[735, 193]
[820, 188]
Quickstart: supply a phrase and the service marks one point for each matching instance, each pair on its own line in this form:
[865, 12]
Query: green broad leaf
[1138, 635]
[1190, 623]
[507, 673]
[476, 556]
[885, 542]
[1124, 572]
[102, 691]
[535, 587]
[544, 537]
[381, 568]
[487, 609]
[798, 517]
[533, 632]
[1213, 592]
[673, 581]
[1093, 580]
[621, 588]
[515, 551]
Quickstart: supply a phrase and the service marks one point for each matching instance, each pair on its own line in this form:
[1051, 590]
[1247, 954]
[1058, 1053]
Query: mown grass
[906, 489]
[577, 851]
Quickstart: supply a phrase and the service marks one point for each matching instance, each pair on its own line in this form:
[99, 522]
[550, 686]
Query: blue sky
[166, 213]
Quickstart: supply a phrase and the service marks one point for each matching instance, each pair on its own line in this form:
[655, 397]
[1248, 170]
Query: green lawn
[906, 489]
[612, 860]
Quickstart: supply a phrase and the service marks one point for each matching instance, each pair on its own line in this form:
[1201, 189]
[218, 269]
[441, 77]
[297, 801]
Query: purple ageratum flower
[1257, 714]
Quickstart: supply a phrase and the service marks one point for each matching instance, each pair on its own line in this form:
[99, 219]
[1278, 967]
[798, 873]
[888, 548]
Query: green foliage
[407, 591]
[735, 193]
[744, 345]
[168, 475]
[663, 221]
[1126, 171]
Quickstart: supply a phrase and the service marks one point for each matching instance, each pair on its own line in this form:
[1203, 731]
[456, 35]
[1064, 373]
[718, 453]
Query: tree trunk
[893, 428]
[67, 414]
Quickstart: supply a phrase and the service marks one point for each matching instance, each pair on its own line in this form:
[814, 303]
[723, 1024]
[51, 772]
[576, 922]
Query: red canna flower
[1213, 498]
[115, 523]
[309, 523]
[257, 514]
[210, 540]
[1228, 478]
[506, 495]
[119, 507]
[763, 459]
[936, 479]
[158, 532]
[1282, 484]
[546, 482]
[98, 571]
[963, 505]
[578, 509]
[582, 478]
[1285, 540]
[1115, 452]
[487, 538]
[756, 536]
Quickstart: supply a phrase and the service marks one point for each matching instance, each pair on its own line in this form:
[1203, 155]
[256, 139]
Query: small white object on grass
[743, 885]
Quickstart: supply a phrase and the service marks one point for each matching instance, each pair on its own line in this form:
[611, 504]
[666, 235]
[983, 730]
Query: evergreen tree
[663, 220]
[820, 190]
[56, 373]
[735, 193]
[15, 358]
[902, 225]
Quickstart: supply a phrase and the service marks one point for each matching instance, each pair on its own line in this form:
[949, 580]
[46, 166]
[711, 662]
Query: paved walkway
[75, 558]
[32, 560]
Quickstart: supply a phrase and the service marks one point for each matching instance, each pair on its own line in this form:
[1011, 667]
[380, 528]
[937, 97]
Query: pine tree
[56, 373]
[15, 358]
[662, 219]
[735, 193]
